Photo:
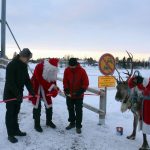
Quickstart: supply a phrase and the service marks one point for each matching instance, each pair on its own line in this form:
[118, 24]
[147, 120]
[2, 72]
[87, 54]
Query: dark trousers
[75, 111]
[11, 118]
[37, 113]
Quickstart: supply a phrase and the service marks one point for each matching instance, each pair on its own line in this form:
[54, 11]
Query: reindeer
[130, 99]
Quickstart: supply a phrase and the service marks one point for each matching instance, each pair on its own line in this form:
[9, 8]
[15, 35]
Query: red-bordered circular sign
[107, 64]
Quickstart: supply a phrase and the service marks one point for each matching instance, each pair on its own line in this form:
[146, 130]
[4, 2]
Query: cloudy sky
[81, 28]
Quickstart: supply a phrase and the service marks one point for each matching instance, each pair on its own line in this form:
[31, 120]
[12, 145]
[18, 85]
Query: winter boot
[20, 133]
[37, 126]
[78, 130]
[49, 113]
[70, 126]
[12, 139]
[50, 124]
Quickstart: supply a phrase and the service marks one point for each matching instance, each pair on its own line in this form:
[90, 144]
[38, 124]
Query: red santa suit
[44, 80]
[145, 112]
[145, 87]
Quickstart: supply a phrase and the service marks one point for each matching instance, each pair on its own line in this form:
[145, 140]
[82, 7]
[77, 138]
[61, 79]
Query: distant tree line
[120, 63]
[64, 61]
[127, 62]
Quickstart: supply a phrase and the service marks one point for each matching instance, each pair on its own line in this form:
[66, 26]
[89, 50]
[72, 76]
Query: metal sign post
[106, 67]
[3, 28]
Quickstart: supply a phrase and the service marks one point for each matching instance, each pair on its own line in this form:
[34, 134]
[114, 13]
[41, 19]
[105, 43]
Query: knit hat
[26, 53]
[54, 61]
[73, 62]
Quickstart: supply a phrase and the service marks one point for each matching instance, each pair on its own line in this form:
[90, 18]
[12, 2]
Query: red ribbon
[30, 96]
[24, 97]
[91, 94]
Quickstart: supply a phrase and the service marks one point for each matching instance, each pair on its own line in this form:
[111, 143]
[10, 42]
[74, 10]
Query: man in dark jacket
[75, 83]
[16, 77]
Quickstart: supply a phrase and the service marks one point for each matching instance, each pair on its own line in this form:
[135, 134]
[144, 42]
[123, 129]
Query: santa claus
[143, 85]
[44, 84]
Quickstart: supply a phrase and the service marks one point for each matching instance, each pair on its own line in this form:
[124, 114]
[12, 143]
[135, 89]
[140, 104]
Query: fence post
[102, 106]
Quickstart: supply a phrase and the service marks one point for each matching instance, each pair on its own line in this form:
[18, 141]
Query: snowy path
[93, 137]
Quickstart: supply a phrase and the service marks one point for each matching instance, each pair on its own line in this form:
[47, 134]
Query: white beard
[49, 72]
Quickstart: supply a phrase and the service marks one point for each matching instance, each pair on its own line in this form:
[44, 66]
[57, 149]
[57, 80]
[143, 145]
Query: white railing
[3, 62]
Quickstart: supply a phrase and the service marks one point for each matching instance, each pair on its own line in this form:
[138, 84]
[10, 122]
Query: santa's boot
[49, 122]
[37, 125]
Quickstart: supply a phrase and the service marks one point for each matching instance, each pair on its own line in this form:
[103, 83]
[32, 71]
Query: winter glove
[79, 92]
[139, 79]
[19, 98]
[32, 93]
[54, 93]
[67, 92]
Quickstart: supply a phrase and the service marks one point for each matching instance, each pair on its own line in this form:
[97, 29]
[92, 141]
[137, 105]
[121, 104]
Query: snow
[93, 137]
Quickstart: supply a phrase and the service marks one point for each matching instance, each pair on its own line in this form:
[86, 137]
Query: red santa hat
[131, 83]
[146, 82]
[54, 61]
[140, 86]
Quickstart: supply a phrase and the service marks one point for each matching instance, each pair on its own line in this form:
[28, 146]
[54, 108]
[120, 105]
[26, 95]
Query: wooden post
[102, 106]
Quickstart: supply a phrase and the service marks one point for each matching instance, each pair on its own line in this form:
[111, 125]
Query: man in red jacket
[75, 83]
[44, 84]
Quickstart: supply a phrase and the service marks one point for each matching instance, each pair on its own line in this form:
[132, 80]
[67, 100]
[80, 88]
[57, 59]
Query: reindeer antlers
[120, 78]
[131, 67]
[129, 74]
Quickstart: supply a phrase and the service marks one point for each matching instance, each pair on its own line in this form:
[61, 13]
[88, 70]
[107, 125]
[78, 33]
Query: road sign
[107, 64]
[106, 81]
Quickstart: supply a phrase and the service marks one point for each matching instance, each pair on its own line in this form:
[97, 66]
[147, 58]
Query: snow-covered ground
[93, 137]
